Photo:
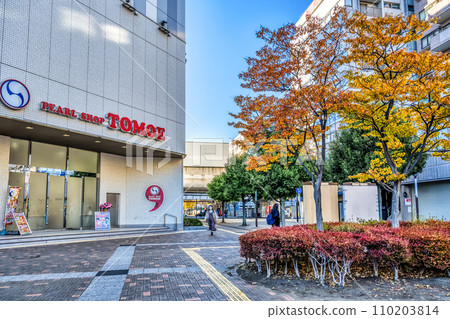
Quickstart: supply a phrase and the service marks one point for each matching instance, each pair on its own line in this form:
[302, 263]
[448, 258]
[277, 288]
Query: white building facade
[92, 110]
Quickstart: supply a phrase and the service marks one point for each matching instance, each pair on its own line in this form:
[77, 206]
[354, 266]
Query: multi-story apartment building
[434, 181]
[438, 37]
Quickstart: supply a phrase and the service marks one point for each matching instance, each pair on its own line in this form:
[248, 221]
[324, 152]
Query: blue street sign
[299, 190]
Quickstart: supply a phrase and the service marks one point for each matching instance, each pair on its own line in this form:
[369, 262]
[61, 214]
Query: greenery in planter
[192, 222]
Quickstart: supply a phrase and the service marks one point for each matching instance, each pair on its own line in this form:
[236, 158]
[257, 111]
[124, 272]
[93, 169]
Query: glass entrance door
[55, 202]
[37, 200]
[59, 184]
[114, 210]
[74, 202]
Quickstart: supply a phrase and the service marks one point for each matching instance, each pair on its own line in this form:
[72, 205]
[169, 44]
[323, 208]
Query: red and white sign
[155, 194]
[114, 122]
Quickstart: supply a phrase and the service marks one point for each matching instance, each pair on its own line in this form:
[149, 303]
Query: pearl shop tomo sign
[113, 121]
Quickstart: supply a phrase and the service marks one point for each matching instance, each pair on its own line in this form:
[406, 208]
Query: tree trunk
[286, 267]
[234, 208]
[267, 267]
[318, 201]
[395, 207]
[223, 212]
[375, 267]
[395, 273]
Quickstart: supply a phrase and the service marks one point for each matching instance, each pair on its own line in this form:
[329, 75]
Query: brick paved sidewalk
[177, 266]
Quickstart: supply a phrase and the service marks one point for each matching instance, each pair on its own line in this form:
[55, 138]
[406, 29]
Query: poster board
[102, 221]
[22, 223]
[11, 205]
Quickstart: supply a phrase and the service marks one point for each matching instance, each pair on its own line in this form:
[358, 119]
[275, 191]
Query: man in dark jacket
[276, 215]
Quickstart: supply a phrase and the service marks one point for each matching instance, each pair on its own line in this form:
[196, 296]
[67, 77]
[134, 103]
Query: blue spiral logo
[14, 94]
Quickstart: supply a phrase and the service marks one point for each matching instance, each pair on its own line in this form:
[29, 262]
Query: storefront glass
[74, 202]
[19, 152]
[37, 200]
[59, 184]
[46, 155]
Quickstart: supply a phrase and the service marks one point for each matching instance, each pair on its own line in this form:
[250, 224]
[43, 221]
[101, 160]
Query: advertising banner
[102, 221]
[11, 205]
[22, 223]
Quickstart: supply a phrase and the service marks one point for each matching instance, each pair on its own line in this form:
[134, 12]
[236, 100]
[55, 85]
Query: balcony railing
[440, 10]
[370, 11]
[441, 41]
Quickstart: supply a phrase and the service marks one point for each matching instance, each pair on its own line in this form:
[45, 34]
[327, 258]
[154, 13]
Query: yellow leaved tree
[396, 94]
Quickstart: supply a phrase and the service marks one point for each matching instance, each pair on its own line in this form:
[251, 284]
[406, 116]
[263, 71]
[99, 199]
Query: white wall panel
[15, 33]
[60, 41]
[112, 53]
[4, 171]
[139, 73]
[99, 6]
[38, 60]
[80, 33]
[2, 18]
[96, 62]
[125, 68]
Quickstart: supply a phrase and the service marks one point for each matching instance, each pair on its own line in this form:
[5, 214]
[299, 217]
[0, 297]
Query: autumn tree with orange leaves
[297, 80]
[396, 95]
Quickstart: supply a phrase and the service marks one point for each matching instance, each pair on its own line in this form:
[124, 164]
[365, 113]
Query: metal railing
[370, 11]
[176, 220]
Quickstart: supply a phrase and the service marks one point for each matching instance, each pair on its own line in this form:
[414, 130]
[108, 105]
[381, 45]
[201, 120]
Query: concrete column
[4, 174]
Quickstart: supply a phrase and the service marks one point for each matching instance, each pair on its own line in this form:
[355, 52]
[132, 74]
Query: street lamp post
[244, 217]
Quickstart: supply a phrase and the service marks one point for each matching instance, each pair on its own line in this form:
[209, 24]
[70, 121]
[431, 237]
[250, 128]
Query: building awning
[46, 134]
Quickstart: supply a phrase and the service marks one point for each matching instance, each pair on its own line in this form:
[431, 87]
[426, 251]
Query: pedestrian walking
[275, 215]
[210, 217]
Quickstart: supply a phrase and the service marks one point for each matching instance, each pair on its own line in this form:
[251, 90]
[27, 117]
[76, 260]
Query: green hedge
[192, 222]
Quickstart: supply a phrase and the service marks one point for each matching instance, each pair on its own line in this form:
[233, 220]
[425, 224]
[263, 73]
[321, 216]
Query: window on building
[422, 15]
[392, 5]
[349, 3]
[426, 40]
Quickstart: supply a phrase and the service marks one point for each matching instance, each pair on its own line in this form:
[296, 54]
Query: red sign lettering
[115, 121]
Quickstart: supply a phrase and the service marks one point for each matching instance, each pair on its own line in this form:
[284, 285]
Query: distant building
[204, 161]
[234, 149]
[434, 181]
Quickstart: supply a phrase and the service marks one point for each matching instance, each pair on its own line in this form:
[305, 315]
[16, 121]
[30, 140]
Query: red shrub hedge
[417, 244]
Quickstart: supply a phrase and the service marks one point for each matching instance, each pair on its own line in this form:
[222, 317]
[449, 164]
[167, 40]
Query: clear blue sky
[220, 34]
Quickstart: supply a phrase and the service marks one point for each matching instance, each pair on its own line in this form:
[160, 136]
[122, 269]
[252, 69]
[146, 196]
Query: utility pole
[244, 213]
[416, 194]
[283, 217]
[256, 208]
